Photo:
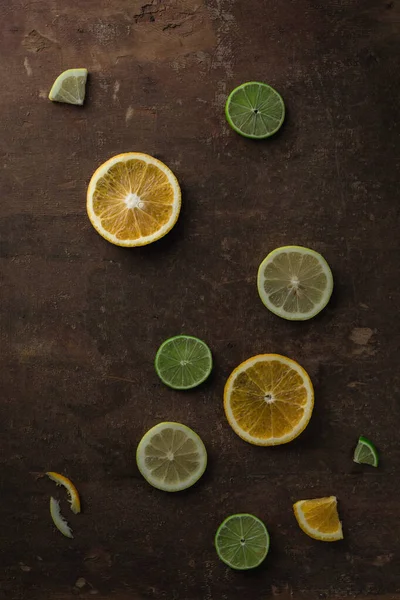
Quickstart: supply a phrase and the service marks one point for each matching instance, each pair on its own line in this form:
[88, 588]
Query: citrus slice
[183, 362]
[133, 199]
[268, 400]
[70, 87]
[171, 457]
[71, 489]
[366, 453]
[295, 283]
[319, 518]
[242, 541]
[58, 519]
[255, 110]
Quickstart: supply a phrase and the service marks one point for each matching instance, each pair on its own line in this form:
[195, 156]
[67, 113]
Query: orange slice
[268, 400]
[319, 518]
[133, 199]
[71, 489]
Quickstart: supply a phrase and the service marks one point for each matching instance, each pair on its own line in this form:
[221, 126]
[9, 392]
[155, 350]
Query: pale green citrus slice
[295, 283]
[183, 362]
[366, 453]
[255, 110]
[70, 87]
[242, 541]
[58, 519]
[171, 457]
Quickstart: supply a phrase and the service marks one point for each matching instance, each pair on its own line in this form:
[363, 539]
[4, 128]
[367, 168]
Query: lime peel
[58, 519]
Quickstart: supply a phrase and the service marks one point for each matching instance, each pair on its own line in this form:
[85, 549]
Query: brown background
[81, 320]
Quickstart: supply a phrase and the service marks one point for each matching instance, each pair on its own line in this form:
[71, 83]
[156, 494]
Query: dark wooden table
[81, 320]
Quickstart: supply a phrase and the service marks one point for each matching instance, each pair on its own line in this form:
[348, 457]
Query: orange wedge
[268, 400]
[71, 489]
[319, 518]
[133, 199]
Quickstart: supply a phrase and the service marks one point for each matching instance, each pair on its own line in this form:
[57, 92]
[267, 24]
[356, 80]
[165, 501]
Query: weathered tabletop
[81, 320]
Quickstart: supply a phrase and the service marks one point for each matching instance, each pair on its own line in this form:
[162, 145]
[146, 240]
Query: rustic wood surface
[81, 320]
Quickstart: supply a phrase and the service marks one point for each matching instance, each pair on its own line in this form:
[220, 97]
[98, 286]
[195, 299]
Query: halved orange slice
[319, 518]
[268, 400]
[133, 199]
[71, 489]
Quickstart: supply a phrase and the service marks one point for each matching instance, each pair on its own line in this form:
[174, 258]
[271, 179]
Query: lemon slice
[58, 519]
[268, 400]
[70, 87]
[319, 518]
[133, 199]
[171, 457]
[295, 283]
[71, 489]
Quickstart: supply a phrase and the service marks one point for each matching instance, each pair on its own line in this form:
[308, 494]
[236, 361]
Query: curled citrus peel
[58, 519]
[71, 489]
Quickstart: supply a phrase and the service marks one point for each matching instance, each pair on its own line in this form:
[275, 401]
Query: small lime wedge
[70, 87]
[366, 453]
[242, 541]
[183, 362]
[295, 283]
[171, 457]
[255, 110]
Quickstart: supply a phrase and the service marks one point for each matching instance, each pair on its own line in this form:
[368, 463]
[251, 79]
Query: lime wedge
[58, 519]
[255, 110]
[69, 87]
[242, 541]
[366, 453]
[295, 283]
[183, 362]
[171, 457]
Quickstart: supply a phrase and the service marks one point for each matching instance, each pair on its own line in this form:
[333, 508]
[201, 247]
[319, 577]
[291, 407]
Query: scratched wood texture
[81, 320]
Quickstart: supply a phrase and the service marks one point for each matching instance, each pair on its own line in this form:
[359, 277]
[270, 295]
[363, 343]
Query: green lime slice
[295, 283]
[366, 453]
[255, 110]
[171, 457]
[70, 87]
[183, 362]
[242, 541]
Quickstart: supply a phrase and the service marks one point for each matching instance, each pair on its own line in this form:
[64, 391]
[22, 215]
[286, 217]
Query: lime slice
[242, 541]
[255, 110]
[58, 519]
[171, 457]
[183, 362]
[366, 453]
[295, 282]
[69, 87]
